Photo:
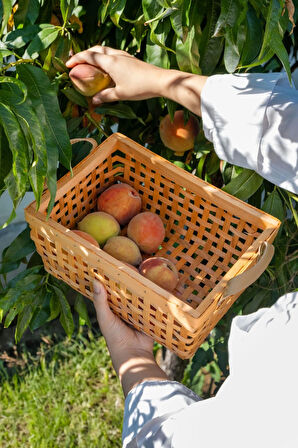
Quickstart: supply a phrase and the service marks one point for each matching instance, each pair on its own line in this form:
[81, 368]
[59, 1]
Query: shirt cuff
[152, 399]
[233, 110]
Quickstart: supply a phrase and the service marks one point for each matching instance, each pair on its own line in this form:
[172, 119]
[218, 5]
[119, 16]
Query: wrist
[182, 87]
[134, 366]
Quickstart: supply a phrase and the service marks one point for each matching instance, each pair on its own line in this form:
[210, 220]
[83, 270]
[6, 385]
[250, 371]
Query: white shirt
[252, 121]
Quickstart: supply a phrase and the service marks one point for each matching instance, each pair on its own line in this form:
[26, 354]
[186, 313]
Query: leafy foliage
[40, 111]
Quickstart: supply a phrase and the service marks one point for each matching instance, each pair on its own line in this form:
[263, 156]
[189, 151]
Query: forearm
[184, 88]
[135, 367]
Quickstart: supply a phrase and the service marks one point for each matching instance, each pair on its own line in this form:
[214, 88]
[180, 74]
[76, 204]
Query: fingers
[87, 57]
[95, 56]
[105, 96]
[104, 314]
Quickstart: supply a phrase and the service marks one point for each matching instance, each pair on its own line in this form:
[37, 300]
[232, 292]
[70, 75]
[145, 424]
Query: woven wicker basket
[219, 244]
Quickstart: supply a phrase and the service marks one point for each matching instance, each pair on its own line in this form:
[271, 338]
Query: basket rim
[96, 156]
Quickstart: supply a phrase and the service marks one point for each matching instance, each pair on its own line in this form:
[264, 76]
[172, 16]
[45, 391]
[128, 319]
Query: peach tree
[40, 111]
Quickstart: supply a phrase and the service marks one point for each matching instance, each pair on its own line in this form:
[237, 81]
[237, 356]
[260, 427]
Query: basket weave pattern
[210, 237]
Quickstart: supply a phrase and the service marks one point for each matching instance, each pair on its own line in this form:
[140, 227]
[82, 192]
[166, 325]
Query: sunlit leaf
[244, 185]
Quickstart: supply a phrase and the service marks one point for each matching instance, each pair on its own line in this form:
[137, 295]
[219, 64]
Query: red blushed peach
[147, 231]
[176, 135]
[88, 80]
[124, 249]
[121, 201]
[160, 271]
[87, 237]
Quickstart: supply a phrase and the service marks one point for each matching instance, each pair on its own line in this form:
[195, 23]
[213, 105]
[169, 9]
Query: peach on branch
[121, 201]
[161, 271]
[124, 249]
[100, 225]
[87, 237]
[88, 80]
[147, 231]
[176, 134]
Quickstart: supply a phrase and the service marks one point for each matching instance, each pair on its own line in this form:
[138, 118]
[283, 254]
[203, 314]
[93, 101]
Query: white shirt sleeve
[153, 402]
[255, 407]
[252, 120]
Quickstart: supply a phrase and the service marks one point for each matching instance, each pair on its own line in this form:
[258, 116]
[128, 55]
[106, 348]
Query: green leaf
[171, 106]
[55, 308]
[5, 159]
[66, 318]
[230, 11]
[19, 278]
[119, 110]
[19, 149]
[27, 284]
[28, 10]
[253, 40]
[244, 185]
[74, 96]
[7, 7]
[117, 11]
[45, 103]
[21, 247]
[42, 41]
[36, 140]
[43, 312]
[187, 53]
[279, 49]
[200, 359]
[81, 309]
[12, 313]
[272, 19]
[16, 86]
[20, 37]
[156, 55]
[67, 8]
[210, 47]
[274, 205]
[231, 53]
[23, 321]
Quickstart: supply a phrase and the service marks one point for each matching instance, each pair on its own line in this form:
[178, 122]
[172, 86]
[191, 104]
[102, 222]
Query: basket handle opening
[92, 141]
[242, 281]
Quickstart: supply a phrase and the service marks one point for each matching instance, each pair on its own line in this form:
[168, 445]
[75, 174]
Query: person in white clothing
[252, 120]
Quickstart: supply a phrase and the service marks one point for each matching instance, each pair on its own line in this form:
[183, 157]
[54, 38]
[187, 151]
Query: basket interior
[202, 239]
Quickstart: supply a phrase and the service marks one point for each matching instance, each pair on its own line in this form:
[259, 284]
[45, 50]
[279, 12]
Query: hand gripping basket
[220, 245]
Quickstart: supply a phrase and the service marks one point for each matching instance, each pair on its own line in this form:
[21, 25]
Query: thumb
[105, 96]
[104, 313]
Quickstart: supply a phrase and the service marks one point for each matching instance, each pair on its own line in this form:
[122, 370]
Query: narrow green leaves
[6, 7]
[120, 110]
[81, 309]
[65, 311]
[42, 41]
[45, 103]
[5, 159]
[274, 205]
[244, 185]
[273, 36]
[21, 247]
[16, 182]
